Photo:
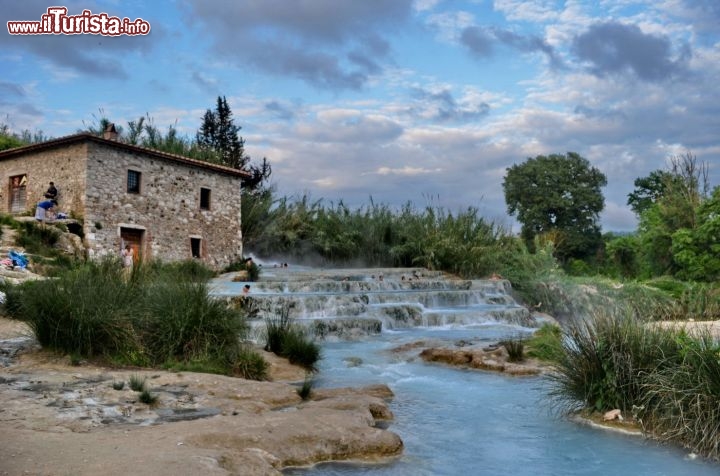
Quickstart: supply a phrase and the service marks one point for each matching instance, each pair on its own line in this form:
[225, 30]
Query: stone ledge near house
[64, 221]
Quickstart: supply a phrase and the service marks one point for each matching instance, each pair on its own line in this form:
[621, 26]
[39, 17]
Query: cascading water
[451, 421]
[378, 298]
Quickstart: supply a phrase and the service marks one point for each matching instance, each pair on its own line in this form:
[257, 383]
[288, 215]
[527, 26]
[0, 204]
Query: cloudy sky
[426, 101]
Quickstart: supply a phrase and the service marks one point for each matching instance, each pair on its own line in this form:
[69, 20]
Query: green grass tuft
[305, 390]
[515, 348]
[546, 343]
[284, 338]
[137, 383]
[148, 398]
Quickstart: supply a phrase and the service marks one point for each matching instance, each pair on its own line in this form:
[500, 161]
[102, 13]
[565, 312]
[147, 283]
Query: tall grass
[669, 380]
[163, 314]
[604, 361]
[682, 400]
[287, 339]
[546, 343]
[89, 310]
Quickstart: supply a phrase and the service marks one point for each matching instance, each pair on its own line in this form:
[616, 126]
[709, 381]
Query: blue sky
[426, 101]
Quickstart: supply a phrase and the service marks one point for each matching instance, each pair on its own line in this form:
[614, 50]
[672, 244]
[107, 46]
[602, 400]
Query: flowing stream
[452, 421]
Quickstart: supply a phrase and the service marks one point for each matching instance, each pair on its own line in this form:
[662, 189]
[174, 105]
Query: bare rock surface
[471, 355]
[59, 419]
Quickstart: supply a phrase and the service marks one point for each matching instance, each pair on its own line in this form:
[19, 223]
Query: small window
[204, 199]
[133, 181]
[195, 247]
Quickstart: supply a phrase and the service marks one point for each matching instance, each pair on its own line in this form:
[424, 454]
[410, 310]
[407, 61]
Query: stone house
[163, 205]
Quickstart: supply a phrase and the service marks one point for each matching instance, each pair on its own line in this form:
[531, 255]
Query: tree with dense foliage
[696, 251]
[10, 140]
[557, 195]
[684, 189]
[648, 190]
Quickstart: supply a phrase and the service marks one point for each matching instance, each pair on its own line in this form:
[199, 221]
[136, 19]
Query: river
[452, 421]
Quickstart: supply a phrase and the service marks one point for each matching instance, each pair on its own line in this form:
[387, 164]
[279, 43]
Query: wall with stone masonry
[92, 181]
[65, 166]
[167, 208]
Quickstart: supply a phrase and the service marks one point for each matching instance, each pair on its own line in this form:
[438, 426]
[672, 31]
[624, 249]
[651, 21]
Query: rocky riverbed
[60, 419]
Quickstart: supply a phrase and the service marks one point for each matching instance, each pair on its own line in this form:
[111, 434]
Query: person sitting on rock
[51, 192]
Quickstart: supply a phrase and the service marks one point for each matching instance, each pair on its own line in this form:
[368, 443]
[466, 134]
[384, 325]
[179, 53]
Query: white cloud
[406, 170]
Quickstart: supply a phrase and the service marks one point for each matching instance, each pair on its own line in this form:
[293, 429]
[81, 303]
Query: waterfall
[348, 302]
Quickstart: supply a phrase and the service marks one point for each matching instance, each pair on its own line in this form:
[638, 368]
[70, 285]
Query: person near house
[127, 259]
[42, 209]
[51, 192]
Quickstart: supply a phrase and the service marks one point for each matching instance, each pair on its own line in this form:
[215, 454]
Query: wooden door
[134, 238]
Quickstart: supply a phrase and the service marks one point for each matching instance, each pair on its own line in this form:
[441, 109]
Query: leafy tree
[10, 140]
[623, 252]
[697, 251]
[683, 190]
[7, 139]
[559, 195]
[648, 190]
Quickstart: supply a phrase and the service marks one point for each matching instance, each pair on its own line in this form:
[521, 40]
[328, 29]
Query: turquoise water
[463, 422]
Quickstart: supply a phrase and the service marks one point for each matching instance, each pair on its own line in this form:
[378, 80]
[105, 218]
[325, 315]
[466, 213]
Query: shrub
[290, 341]
[35, 238]
[88, 311]
[153, 318]
[253, 270]
[13, 299]
[191, 270]
[247, 363]
[299, 349]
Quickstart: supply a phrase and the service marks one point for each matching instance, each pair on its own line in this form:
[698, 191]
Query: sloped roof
[82, 137]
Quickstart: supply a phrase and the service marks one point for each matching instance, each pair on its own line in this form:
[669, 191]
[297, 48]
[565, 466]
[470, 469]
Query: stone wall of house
[65, 166]
[167, 209]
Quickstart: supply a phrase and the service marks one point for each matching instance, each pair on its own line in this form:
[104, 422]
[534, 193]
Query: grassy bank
[667, 379]
[162, 315]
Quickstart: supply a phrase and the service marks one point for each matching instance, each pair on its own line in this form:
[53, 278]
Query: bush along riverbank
[667, 379]
[162, 315]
